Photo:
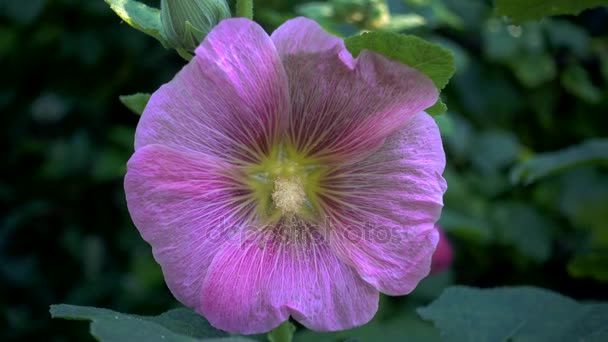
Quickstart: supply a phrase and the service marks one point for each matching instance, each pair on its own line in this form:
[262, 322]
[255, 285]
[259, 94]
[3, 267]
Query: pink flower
[443, 256]
[279, 176]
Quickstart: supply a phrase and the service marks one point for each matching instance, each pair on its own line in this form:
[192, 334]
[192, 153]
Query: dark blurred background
[65, 233]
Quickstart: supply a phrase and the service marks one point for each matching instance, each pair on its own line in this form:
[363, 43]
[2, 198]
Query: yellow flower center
[288, 194]
[285, 183]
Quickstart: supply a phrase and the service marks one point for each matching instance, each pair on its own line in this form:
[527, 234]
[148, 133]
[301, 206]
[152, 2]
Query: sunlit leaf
[140, 16]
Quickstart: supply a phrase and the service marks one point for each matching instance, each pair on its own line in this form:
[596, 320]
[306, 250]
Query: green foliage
[136, 102]
[178, 325]
[403, 327]
[66, 235]
[589, 152]
[593, 264]
[282, 333]
[515, 314]
[432, 60]
[524, 10]
[140, 16]
[21, 12]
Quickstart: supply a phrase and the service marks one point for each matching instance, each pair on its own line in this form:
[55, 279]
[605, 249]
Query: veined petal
[383, 209]
[301, 36]
[231, 100]
[254, 286]
[342, 108]
[186, 207]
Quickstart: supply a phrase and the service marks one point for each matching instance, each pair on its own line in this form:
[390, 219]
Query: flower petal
[383, 209]
[255, 286]
[231, 100]
[343, 110]
[185, 207]
[305, 36]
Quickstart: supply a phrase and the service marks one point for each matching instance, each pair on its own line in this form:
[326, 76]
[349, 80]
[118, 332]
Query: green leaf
[582, 199]
[140, 16]
[22, 12]
[430, 59]
[533, 70]
[178, 325]
[438, 108]
[593, 265]
[406, 327]
[525, 10]
[494, 150]
[515, 314]
[282, 333]
[577, 82]
[519, 225]
[136, 102]
[594, 151]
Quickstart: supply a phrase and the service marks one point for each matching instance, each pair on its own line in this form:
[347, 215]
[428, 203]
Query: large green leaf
[524, 10]
[593, 151]
[178, 325]
[515, 314]
[140, 16]
[431, 59]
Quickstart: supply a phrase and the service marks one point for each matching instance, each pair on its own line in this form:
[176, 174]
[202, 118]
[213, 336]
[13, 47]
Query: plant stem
[282, 333]
[244, 8]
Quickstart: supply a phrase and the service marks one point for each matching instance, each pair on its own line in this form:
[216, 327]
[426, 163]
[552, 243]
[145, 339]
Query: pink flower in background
[279, 176]
[443, 256]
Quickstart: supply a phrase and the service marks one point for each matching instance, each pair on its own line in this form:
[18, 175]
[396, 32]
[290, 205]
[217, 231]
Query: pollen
[288, 194]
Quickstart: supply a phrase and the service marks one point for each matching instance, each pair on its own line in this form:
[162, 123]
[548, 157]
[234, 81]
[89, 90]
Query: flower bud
[187, 22]
[367, 14]
[444, 254]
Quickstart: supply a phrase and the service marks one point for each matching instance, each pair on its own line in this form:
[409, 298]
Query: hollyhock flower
[279, 176]
[443, 256]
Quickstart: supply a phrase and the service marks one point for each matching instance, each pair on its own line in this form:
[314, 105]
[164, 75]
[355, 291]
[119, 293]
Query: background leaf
[515, 314]
[593, 264]
[524, 10]
[593, 151]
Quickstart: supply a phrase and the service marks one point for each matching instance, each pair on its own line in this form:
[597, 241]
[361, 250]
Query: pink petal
[382, 210]
[255, 286]
[343, 108]
[184, 206]
[231, 100]
[304, 36]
